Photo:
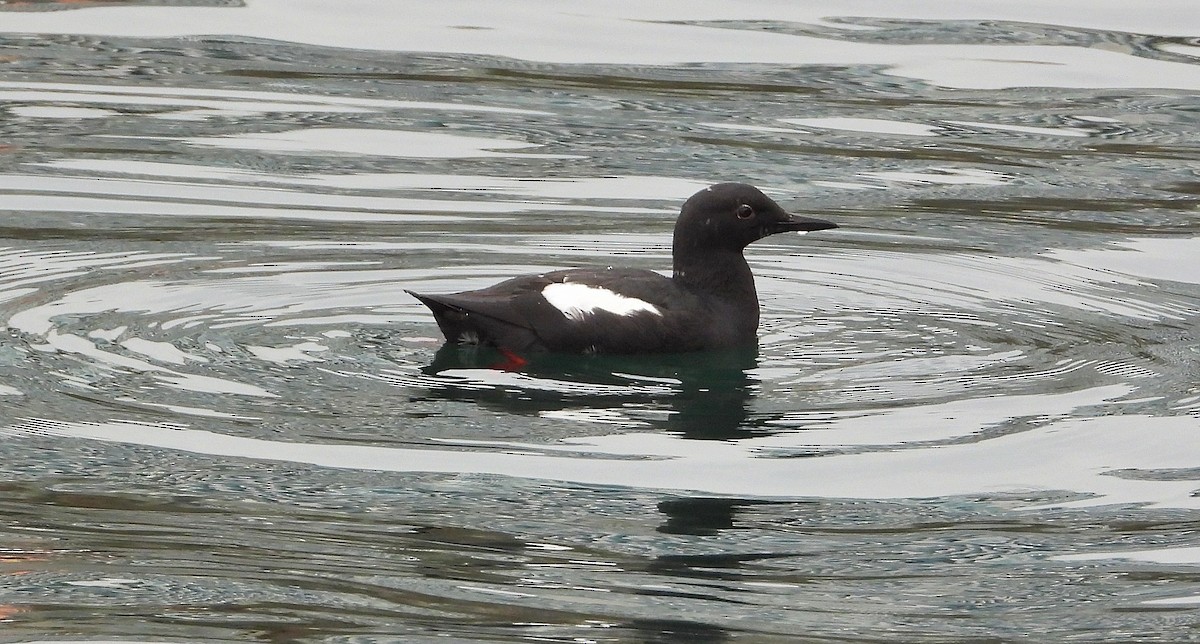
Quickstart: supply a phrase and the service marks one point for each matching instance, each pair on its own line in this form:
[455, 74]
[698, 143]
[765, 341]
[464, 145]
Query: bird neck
[724, 274]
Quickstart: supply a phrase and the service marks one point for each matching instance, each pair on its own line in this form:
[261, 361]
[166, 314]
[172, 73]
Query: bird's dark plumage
[709, 302]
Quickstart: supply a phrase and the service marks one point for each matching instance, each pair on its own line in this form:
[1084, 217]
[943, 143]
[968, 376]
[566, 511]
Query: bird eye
[744, 212]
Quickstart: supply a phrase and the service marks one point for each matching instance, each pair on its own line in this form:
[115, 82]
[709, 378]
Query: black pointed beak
[796, 223]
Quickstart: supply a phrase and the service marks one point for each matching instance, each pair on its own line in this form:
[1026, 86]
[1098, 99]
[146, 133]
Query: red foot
[511, 362]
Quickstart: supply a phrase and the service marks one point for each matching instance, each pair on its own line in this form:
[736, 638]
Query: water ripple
[971, 413]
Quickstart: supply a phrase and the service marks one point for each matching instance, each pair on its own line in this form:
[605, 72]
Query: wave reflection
[1077, 456]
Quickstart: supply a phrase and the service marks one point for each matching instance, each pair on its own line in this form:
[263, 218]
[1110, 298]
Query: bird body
[709, 302]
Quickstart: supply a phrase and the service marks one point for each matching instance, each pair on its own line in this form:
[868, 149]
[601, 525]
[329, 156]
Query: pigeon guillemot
[709, 302]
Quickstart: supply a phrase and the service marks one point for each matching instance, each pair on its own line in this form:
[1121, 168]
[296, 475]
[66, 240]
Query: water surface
[973, 414]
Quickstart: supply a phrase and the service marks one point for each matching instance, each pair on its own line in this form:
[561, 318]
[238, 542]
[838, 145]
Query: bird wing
[516, 314]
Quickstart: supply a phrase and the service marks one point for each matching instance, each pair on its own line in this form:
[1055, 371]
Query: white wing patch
[579, 300]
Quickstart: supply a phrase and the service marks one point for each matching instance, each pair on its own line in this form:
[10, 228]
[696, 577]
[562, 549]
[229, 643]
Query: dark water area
[973, 414]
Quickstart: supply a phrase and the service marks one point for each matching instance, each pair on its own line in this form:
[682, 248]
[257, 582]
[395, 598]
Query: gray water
[973, 414]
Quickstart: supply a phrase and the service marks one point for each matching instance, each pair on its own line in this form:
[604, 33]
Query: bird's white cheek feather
[578, 300]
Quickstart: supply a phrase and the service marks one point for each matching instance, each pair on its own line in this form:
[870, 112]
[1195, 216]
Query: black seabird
[709, 302]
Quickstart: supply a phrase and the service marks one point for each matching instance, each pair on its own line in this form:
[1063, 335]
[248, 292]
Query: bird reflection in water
[705, 395]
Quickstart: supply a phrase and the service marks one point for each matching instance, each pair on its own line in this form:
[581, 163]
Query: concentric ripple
[862, 352]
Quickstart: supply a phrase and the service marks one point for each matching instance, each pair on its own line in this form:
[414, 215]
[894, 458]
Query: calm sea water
[973, 416]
